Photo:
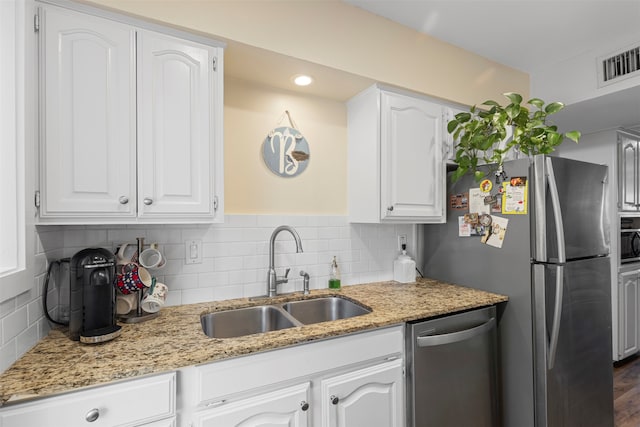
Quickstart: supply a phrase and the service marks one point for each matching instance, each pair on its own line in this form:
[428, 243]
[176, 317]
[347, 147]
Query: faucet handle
[286, 272]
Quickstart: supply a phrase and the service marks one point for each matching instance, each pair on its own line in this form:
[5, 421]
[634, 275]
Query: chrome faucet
[272, 278]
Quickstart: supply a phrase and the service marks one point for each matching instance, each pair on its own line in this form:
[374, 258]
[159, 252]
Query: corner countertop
[175, 339]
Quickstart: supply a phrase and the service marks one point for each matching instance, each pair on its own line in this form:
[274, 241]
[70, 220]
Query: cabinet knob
[390, 208]
[147, 201]
[123, 200]
[334, 399]
[304, 405]
[92, 415]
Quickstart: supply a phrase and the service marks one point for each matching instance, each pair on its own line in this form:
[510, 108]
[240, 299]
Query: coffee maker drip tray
[100, 335]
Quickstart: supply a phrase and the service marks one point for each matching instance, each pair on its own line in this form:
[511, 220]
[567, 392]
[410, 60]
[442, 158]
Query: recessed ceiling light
[302, 80]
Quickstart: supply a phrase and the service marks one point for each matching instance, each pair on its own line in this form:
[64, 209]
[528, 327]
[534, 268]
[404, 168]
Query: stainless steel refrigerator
[555, 330]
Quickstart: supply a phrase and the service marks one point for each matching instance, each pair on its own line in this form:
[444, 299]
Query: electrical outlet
[402, 240]
[193, 252]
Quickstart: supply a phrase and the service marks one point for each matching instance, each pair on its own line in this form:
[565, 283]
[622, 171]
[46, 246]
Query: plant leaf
[478, 175]
[458, 173]
[463, 117]
[512, 110]
[573, 135]
[452, 125]
[537, 102]
[554, 107]
[515, 98]
[490, 102]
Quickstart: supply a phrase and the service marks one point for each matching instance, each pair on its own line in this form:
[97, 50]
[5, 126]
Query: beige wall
[343, 37]
[250, 112]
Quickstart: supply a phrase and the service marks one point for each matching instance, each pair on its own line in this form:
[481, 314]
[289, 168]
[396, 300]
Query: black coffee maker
[92, 317]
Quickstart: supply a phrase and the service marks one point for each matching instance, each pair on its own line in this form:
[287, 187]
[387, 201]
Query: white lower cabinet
[372, 396]
[287, 407]
[148, 402]
[355, 380]
[628, 313]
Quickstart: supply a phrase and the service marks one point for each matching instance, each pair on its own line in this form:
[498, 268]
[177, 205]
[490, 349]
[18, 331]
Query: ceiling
[497, 29]
[560, 28]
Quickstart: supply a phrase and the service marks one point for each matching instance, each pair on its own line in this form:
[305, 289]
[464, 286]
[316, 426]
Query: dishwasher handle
[433, 340]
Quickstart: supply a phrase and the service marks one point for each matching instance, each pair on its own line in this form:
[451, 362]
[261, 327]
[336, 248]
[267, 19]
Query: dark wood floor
[626, 392]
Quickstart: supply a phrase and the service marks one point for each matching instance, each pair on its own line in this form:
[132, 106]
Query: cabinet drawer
[118, 405]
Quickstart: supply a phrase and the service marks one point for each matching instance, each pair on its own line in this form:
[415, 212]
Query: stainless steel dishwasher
[452, 371]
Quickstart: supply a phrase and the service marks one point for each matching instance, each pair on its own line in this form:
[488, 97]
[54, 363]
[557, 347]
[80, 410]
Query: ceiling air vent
[619, 66]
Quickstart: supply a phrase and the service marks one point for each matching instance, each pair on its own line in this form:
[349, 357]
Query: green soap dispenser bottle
[334, 275]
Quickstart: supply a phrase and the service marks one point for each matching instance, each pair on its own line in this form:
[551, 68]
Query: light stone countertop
[175, 339]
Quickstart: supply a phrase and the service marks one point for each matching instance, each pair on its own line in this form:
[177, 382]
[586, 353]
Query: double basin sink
[272, 317]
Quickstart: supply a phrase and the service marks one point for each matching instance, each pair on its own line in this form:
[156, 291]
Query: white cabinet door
[628, 172]
[175, 135]
[412, 167]
[372, 396]
[396, 158]
[288, 407]
[88, 118]
[628, 294]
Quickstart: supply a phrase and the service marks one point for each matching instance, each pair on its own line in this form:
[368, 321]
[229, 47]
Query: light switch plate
[193, 252]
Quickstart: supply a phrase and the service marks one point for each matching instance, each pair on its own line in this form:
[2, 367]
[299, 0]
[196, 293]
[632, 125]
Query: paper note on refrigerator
[514, 196]
[496, 232]
[476, 201]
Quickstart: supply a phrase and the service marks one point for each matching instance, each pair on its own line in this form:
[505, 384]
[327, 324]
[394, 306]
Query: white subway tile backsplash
[8, 354]
[194, 296]
[234, 264]
[27, 339]
[14, 324]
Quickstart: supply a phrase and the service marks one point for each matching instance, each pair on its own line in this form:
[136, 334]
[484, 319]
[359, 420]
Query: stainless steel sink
[245, 321]
[265, 318]
[324, 309]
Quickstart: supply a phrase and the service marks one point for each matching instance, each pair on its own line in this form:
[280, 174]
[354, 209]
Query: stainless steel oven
[629, 245]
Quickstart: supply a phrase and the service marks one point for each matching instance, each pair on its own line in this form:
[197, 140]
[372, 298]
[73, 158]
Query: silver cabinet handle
[147, 201]
[304, 405]
[433, 340]
[334, 399]
[92, 415]
[390, 208]
[123, 200]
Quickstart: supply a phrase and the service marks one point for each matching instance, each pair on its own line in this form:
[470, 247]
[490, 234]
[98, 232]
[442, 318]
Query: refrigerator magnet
[486, 185]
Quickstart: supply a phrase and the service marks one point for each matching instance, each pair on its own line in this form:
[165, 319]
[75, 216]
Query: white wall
[576, 78]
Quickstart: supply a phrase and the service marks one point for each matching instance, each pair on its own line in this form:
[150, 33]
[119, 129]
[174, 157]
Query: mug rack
[138, 315]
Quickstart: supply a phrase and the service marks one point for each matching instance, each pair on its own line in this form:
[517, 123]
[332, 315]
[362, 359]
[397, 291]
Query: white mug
[126, 303]
[151, 258]
[152, 302]
[126, 254]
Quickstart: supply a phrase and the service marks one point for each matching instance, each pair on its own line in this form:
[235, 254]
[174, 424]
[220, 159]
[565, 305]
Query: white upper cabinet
[175, 154]
[88, 151]
[628, 171]
[396, 158]
[131, 123]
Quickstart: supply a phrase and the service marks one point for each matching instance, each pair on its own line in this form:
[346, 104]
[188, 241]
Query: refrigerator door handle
[557, 315]
[557, 212]
[562, 258]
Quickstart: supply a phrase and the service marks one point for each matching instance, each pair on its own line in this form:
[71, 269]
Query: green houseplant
[488, 135]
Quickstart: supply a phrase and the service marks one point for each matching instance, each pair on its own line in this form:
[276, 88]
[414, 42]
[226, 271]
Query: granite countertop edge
[175, 340]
